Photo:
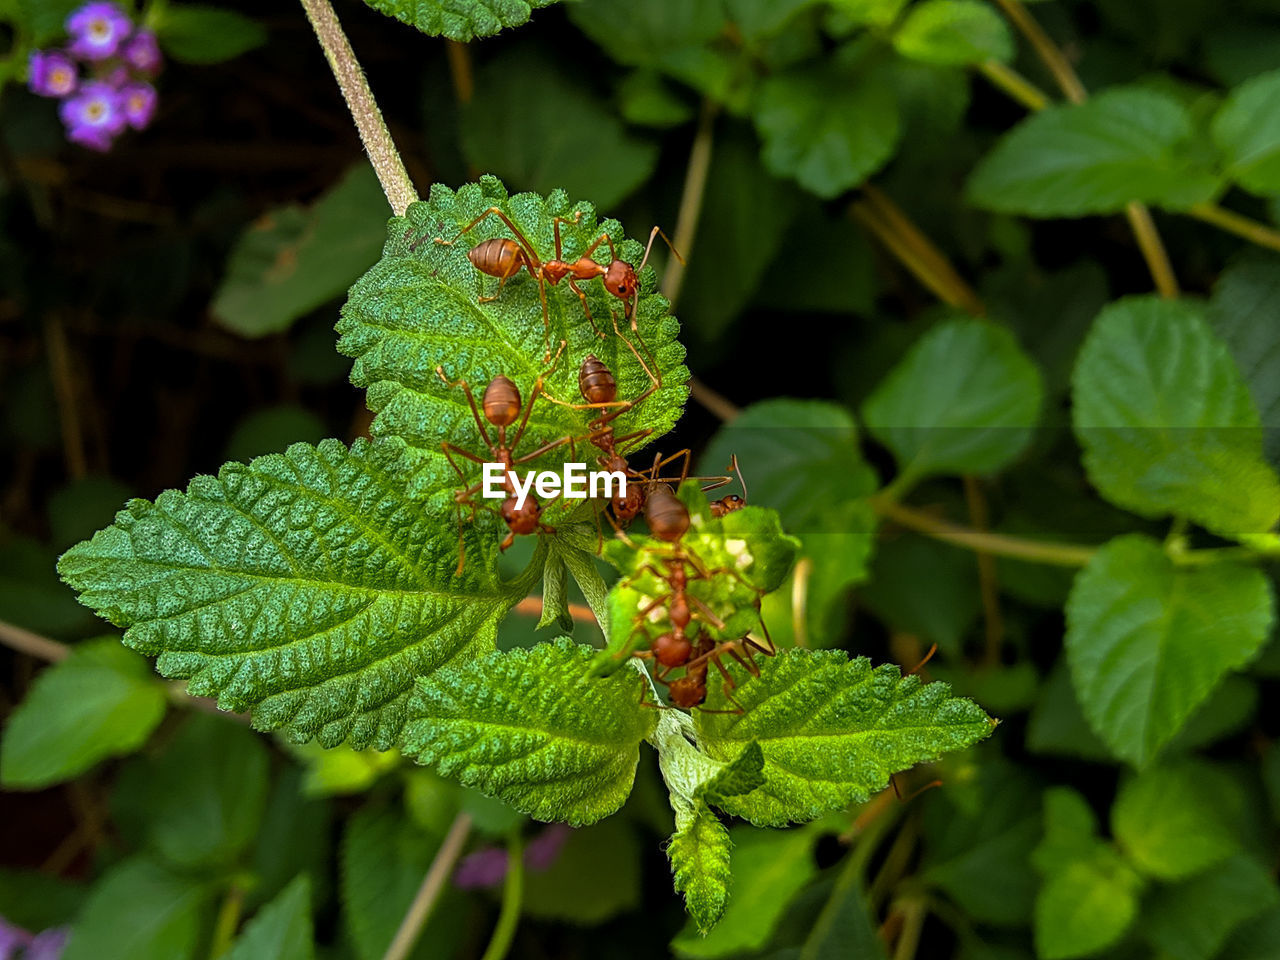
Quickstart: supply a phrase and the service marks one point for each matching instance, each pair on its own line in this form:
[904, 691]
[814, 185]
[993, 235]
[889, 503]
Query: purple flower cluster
[114, 91]
[46, 945]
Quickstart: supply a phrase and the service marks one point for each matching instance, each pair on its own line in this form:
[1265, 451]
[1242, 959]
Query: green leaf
[879, 13]
[595, 878]
[139, 911]
[1247, 132]
[282, 929]
[954, 33]
[1057, 724]
[1191, 920]
[700, 853]
[294, 259]
[295, 837]
[528, 727]
[1148, 641]
[44, 19]
[339, 771]
[1254, 940]
[893, 595]
[828, 125]
[832, 731]
[417, 309]
[741, 775]
[768, 868]
[1166, 421]
[460, 20]
[645, 99]
[303, 585]
[1086, 906]
[963, 400]
[100, 702]
[1171, 822]
[1124, 145]
[35, 900]
[199, 34]
[202, 801]
[515, 126]
[650, 33]
[1242, 313]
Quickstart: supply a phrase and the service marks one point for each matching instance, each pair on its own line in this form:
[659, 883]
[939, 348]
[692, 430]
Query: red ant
[732, 502]
[503, 258]
[502, 405]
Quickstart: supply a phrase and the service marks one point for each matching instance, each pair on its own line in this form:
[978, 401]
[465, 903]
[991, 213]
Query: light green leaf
[1247, 132]
[700, 861]
[339, 771]
[768, 868]
[294, 259]
[954, 33]
[460, 20]
[417, 309]
[879, 13]
[1148, 642]
[1124, 145]
[1191, 920]
[529, 727]
[100, 702]
[1085, 906]
[303, 585]
[282, 929]
[963, 400]
[200, 34]
[741, 775]
[139, 911]
[832, 731]
[645, 99]
[828, 126]
[515, 127]
[650, 33]
[1166, 421]
[1170, 820]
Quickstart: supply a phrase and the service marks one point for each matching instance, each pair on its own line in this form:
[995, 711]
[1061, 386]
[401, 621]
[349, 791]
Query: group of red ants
[646, 491]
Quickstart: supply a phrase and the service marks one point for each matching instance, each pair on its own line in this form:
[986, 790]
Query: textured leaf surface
[1148, 642]
[954, 33]
[139, 911]
[1171, 821]
[100, 702]
[417, 309]
[1247, 131]
[1166, 421]
[963, 400]
[303, 585]
[699, 853]
[293, 260]
[528, 727]
[282, 929]
[828, 126]
[832, 731]
[460, 20]
[1123, 145]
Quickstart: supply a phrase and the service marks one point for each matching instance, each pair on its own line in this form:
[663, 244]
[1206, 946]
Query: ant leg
[654, 377]
[727, 689]
[502, 282]
[471, 401]
[496, 212]
[582, 297]
[555, 226]
[708, 614]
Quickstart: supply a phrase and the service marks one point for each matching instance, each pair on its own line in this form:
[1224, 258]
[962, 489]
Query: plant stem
[1144, 228]
[691, 195]
[224, 927]
[424, 900]
[364, 109]
[988, 581]
[64, 386]
[997, 544]
[1014, 84]
[1233, 222]
[32, 644]
[512, 895]
[914, 911]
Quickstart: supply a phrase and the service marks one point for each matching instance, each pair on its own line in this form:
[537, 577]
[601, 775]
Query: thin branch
[464, 83]
[695, 187]
[1152, 247]
[424, 900]
[32, 644]
[716, 402]
[1014, 84]
[988, 581]
[64, 386]
[364, 109]
[512, 896]
[1233, 222]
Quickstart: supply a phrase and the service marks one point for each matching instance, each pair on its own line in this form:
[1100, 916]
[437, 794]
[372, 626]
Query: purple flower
[93, 116]
[142, 53]
[138, 101]
[48, 944]
[52, 73]
[97, 30]
[11, 938]
[544, 849]
[484, 868]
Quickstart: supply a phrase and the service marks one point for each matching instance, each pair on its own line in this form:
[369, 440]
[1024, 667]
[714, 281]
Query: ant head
[620, 280]
[688, 692]
[727, 505]
[501, 401]
[627, 508]
[522, 519]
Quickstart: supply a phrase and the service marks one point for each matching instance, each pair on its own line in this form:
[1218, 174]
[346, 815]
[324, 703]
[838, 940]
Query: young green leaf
[417, 310]
[1148, 642]
[1191, 920]
[700, 856]
[1247, 132]
[140, 911]
[954, 33]
[1171, 821]
[304, 585]
[293, 260]
[963, 400]
[828, 125]
[193, 33]
[832, 731]
[282, 929]
[529, 727]
[1124, 145]
[1166, 421]
[100, 702]
[460, 20]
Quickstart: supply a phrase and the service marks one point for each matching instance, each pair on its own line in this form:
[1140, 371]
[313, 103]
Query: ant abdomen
[501, 401]
[498, 257]
[596, 381]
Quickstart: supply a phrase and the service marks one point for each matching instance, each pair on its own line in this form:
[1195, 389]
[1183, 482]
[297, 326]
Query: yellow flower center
[100, 29]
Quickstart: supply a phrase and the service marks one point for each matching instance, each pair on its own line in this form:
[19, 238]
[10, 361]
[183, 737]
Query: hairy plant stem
[374, 134]
[512, 895]
[424, 900]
